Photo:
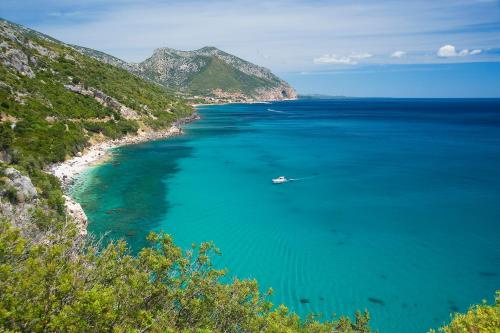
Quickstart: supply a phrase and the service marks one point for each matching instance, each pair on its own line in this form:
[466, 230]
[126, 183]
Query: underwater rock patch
[376, 300]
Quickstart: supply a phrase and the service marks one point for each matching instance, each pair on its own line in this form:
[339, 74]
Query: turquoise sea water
[397, 206]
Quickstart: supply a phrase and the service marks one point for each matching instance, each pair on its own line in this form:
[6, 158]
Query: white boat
[279, 180]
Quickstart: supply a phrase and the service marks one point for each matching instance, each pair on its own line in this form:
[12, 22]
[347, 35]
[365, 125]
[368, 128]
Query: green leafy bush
[74, 287]
[6, 136]
[483, 318]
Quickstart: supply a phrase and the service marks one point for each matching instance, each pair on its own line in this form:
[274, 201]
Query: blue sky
[447, 48]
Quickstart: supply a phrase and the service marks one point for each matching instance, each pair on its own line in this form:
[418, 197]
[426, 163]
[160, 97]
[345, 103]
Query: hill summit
[207, 73]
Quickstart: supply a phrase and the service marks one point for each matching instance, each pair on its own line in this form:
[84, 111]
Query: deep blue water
[397, 206]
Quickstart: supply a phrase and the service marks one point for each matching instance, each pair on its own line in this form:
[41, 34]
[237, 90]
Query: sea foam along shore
[68, 170]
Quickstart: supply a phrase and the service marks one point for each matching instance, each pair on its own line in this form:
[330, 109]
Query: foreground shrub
[482, 318]
[69, 286]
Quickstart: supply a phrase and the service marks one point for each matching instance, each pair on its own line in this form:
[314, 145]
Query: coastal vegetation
[55, 102]
[481, 318]
[73, 285]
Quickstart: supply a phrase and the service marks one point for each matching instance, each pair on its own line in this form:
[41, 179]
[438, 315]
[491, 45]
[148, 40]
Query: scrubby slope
[54, 99]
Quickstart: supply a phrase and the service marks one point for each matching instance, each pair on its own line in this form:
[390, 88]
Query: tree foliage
[70, 286]
[483, 318]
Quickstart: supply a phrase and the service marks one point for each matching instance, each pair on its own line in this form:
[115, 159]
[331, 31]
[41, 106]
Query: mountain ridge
[207, 73]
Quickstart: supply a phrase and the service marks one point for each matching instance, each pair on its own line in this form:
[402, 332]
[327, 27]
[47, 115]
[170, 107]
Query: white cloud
[289, 33]
[361, 56]
[334, 59]
[342, 60]
[398, 54]
[448, 51]
[463, 53]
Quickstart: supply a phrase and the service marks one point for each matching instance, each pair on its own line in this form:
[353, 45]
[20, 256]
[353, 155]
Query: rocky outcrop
[22, 185]
[79, 90]
[44, 51]
[20, 215]
[16, 59]
[75, 210]
[186, 120]
[25, 200]
[5, 157]
[277, 93]
[104, 99]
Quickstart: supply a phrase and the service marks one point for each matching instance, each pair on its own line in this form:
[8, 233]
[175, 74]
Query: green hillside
[46, 120]
[217, 74]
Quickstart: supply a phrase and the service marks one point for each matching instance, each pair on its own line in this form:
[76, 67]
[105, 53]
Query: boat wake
[276, 111]
[302, 178]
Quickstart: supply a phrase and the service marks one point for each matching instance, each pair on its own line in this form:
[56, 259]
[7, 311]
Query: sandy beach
[67, 171]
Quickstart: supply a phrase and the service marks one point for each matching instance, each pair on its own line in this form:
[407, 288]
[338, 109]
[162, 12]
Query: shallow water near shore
[396, 207]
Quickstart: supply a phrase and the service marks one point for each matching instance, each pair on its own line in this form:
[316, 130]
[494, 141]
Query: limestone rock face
[25, 190]
[104, 99]
[43, 51]
[75, 210]
[278, 93]
[5, 157]
[17, 60]
[79, 90]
